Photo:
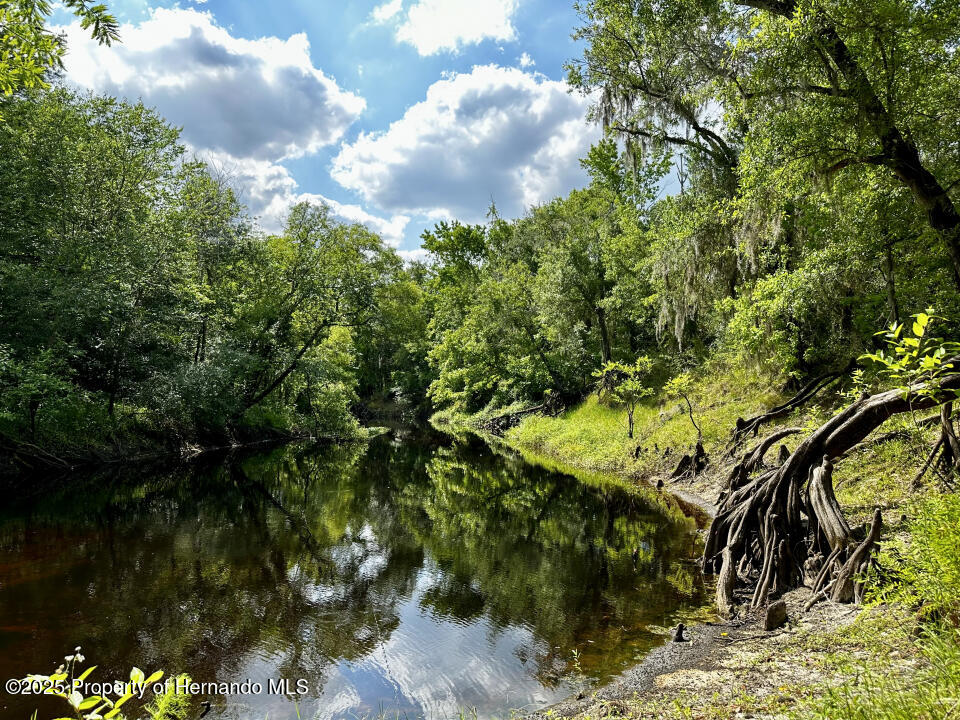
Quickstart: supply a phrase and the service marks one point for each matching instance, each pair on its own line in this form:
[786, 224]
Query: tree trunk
[898, 151]
[200, 352]
[604, 335]
[891, 283]
[283, 374]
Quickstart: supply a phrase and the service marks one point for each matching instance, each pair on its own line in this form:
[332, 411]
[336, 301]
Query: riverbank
[821, 660]
[23, 462]
[739, 670]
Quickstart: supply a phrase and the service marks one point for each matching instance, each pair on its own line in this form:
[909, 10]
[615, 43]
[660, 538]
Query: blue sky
[398, 113]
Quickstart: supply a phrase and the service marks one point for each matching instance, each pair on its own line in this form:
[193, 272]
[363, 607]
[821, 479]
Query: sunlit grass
[593, 435]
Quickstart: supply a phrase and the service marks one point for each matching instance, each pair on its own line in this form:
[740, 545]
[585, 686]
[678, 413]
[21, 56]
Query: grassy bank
[896, 657]
[593, 435]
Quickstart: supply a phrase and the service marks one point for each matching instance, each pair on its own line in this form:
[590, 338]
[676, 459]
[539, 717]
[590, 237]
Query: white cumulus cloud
[494, 133]
[383, 13]
[258, 98]
[269, 191]
[432, 26]
[245, 105]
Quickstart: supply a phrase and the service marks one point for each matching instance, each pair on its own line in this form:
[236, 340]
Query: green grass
[593, 435]
[932, 692]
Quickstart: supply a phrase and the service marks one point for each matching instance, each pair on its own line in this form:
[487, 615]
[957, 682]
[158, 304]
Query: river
[414, 576]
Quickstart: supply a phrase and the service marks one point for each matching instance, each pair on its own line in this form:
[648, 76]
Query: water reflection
[412, 576]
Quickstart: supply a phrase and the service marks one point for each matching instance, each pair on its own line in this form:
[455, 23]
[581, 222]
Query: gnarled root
[945, 454]
[769, 526]
[751, 426]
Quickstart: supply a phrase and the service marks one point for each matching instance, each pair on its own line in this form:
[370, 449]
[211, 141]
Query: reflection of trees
[572, 562]
[306, 556]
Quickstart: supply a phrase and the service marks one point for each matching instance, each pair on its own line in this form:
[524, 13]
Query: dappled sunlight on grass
[593, 435]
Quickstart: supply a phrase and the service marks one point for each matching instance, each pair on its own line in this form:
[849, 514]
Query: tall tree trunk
[891, 282]
[200, 352]
[604, 335]
[898, 151]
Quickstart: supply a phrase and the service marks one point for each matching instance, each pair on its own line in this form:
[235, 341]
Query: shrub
[924, 571]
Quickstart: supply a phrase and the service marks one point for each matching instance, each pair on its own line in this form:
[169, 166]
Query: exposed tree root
[773, 531]
[691, 465]
[753, 458]
[945, 454]
[751, 427]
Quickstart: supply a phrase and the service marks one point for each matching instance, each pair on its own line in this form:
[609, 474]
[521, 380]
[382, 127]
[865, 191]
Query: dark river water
[415, 576]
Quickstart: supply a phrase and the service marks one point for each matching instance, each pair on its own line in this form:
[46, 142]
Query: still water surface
[415, 575]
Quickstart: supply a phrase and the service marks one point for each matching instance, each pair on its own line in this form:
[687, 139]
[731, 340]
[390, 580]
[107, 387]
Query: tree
[29, 51]
[318, 274]
[825, 84]
[137, 299]
[625, 384]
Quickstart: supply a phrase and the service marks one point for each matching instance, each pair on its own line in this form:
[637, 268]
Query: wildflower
[75, 698]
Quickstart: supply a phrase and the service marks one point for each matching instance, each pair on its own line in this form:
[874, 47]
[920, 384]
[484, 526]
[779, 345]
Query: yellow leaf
[90, 702]
[153, 678]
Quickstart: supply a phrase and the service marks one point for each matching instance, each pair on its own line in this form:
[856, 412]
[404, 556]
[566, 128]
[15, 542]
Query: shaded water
[415, 575]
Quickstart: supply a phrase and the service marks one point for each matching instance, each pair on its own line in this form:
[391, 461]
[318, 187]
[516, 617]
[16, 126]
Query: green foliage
[916, 358]
[174, 703]
[29, 50]
[591, 434]
[625, 384]
[68, 681]
[923, 570]
[930, 692]
[138, 301]
[680, 386]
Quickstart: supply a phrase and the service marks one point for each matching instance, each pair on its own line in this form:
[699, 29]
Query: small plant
[915, 362]
[67, 682]
[625, 384]
[578, 672]
[680, 387]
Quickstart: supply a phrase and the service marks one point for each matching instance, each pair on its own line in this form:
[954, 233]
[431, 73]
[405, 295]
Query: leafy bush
[924, 571]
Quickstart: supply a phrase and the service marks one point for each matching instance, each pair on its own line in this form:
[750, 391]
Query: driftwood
[773, 531]
[751, 426]
[499, 424]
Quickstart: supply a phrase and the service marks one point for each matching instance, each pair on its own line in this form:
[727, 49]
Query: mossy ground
[593, 435]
